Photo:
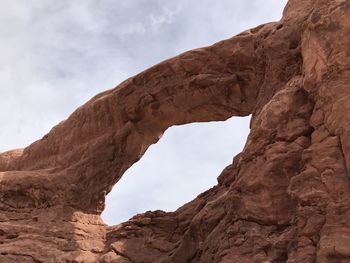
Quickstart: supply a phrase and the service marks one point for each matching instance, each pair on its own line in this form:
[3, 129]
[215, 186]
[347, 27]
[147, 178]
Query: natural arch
[91, 149]
[285, 197]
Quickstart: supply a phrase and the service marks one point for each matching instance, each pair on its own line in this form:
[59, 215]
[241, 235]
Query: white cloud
[165, 17]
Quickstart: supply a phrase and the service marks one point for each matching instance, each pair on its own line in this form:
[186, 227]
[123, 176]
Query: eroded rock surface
[285, 198]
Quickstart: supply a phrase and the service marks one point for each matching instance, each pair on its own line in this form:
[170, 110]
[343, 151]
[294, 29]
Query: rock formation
[285, 198]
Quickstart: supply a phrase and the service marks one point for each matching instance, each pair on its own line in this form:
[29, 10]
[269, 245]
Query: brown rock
[285, 198]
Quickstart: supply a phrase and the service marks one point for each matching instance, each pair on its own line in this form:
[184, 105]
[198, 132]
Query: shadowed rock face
[285, 198]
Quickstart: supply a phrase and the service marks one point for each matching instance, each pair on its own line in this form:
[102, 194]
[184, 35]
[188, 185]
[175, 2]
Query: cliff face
[285, 198]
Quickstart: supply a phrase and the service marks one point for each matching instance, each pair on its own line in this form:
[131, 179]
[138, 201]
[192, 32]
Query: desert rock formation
[285, 198]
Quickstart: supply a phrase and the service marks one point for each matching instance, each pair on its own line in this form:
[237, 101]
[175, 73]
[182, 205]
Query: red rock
[285, 198]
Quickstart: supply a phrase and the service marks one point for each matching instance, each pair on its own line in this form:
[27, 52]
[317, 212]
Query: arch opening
[184, 163]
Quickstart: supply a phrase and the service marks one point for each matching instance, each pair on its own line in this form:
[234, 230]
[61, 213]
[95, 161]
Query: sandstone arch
[207, 84]
[285, 197]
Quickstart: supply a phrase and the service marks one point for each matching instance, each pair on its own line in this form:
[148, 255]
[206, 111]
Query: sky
[55, 55]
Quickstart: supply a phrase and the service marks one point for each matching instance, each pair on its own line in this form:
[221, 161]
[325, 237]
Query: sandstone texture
[285, 198]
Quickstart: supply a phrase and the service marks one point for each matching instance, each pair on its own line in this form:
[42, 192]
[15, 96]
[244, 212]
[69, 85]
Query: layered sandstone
[285, 198]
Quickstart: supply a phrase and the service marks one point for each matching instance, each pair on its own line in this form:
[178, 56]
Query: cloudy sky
[55, 55]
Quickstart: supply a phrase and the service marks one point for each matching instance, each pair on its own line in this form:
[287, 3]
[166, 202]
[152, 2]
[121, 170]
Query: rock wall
[285, 198]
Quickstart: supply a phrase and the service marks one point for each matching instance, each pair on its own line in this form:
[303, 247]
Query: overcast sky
[55, 55]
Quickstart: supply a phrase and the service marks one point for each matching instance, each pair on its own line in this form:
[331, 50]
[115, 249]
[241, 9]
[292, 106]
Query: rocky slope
[285, 198]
